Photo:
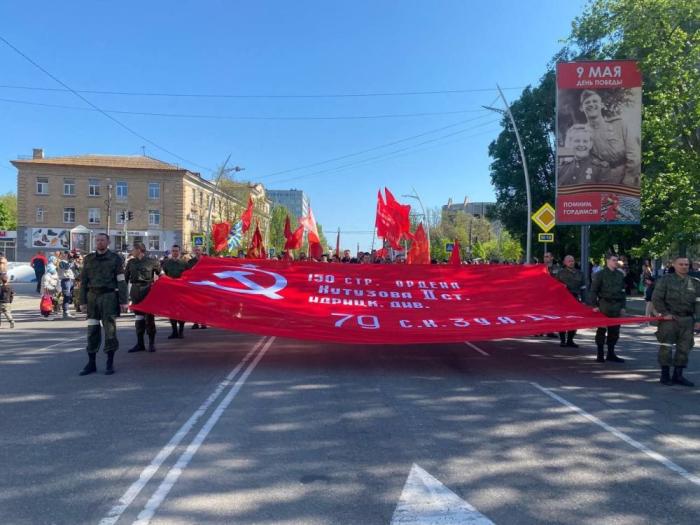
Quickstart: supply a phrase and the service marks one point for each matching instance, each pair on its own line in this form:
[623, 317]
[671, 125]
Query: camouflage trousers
[102, 309]
[677, 332]
[6, 310]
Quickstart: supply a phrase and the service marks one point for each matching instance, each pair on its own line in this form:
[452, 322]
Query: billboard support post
[585, 254]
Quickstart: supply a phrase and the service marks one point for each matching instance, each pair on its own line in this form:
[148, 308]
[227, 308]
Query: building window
[154, 217]
[94, 215]
[154, 243]
[40, 214]
[68, 186]
[94, 188]
[201, 199]
[120, 217]
[154, 191]
[122, 190]
[42, 185]
[68, 215]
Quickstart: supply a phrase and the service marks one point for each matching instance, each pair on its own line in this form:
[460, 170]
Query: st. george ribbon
[373, 303]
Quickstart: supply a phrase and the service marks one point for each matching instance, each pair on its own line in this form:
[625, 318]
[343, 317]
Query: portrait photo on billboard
[598, 144]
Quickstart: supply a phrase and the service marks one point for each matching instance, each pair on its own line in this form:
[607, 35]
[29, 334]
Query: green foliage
[664, 36]
[8, 211]
[277, 220]
[502, 248]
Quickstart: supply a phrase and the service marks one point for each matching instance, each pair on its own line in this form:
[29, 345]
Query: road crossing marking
[128, 497]
[149, 510]
[621, 435]
[426, 501]
[473, 346]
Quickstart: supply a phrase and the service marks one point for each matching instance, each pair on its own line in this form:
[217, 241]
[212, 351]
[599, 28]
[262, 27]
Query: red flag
[277, 298]
[247, 215]
[287, 228]
[419, 252]
[315, 250]
[257, 250]
[294, 240]
[219, 234]
[382, 218]
[455, 257]
[399, 211]
[337, 245]
[309, 222]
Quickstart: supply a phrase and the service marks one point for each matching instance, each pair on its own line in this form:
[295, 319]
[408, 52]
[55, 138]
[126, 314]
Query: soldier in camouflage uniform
[573, 279]
[103, 291]
[197, 251]
[608, 297]
[139, 273]
[173, 267]
[676, 299]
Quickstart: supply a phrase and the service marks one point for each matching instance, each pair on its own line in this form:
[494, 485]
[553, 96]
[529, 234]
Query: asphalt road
[233, 428]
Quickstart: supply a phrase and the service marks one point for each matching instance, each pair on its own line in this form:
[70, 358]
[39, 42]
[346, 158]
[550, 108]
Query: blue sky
[269, 49]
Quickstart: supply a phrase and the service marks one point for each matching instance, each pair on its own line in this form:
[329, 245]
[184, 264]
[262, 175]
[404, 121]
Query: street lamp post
[528, 251]
[415, 195]
[222, 171]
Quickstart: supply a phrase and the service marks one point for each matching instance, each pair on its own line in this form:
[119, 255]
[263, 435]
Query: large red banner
[376, 304]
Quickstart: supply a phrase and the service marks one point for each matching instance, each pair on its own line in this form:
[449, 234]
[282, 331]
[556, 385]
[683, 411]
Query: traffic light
[131, 215]
[121, 216]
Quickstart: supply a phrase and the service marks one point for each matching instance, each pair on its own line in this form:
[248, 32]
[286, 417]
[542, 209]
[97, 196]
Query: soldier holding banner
[608, 297]
[139, 272]
[573, 279]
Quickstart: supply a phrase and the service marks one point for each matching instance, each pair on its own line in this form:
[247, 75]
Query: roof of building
[104, 161]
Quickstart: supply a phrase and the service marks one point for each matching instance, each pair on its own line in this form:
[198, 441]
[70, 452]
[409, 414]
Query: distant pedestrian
[39, 263]
[3, 264]
[573, 279]
[7, 294]
[50, 286]
[173, 267]
[608, 297]
[66, 277]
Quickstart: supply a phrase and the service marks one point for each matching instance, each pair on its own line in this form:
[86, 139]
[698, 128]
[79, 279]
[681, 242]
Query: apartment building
[63, 202]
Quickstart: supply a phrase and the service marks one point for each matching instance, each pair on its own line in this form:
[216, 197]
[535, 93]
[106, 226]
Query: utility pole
[415, 196]
[222, 171]
[507, 111]
[108, 203]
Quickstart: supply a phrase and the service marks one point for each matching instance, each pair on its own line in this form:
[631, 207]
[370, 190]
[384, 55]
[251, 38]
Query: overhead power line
[368, 150]
[262, 96]
[98, 109]
[241, 117]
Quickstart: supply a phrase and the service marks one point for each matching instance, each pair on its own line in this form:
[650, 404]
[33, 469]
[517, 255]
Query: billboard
[51, 238]
[598, 135]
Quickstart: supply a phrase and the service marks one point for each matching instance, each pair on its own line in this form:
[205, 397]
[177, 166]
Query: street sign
[198, 240]
[545, 237]
[449, 246]
[271, 252]
[544, 217]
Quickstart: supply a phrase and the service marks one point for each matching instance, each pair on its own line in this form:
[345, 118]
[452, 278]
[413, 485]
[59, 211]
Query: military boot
[601, 354]
[139, 346]
[109, 369]
[678, 378]
[181, 331]
[612, 357]
[173, 325]
[91, 367]
[562, 339]
[151, 342]
[570, 340]
[665, 376]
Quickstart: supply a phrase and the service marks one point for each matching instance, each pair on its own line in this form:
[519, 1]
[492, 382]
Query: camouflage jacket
[174, 267]
[103, 272]
[676, 295]
[573, 279]
[142, 270]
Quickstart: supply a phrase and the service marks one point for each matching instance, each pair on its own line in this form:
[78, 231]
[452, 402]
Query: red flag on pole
[247, 216]
[419, 252]
[257, 250]
[309, 222]
[287, 228]
[399, 211]
[219, 234]
[315, 250]
[455, 257]
[294, 240]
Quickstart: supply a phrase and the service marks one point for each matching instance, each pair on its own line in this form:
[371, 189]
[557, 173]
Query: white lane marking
[426, 501]
[624, 437]
[137, 486]
[149, 510]
[473, 346]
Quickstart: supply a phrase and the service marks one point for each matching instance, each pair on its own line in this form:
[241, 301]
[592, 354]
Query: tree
[8, 211]
[664, 36]
[278, 217]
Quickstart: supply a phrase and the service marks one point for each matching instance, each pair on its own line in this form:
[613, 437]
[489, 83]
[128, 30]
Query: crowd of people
[672, 295]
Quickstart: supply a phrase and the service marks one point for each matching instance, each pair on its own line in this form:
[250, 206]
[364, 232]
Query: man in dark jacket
[608, 297]
[573, 279]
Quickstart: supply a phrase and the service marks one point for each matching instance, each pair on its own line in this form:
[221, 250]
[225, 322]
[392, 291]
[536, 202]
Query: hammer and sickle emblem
[251, 287]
